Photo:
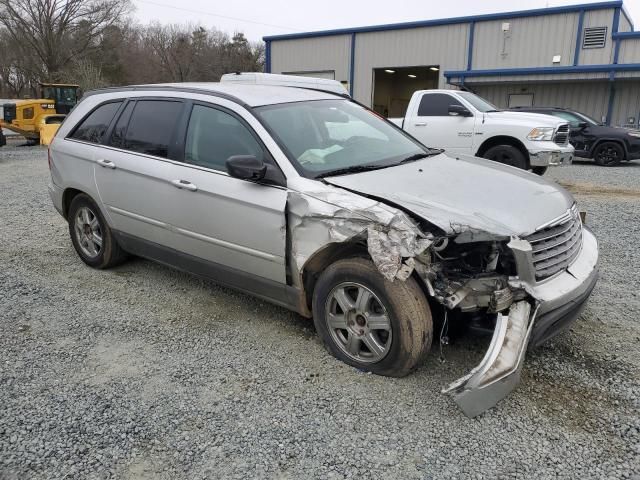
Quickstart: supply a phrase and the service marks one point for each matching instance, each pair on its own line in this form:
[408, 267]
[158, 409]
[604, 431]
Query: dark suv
[608, 146]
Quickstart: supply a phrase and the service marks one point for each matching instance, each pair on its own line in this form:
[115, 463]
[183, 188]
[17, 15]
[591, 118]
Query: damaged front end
[465, 270]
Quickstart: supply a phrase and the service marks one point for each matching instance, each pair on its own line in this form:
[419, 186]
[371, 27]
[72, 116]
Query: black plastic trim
[269, 290]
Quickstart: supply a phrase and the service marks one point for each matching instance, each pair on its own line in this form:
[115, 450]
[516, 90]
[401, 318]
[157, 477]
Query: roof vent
[594, 37]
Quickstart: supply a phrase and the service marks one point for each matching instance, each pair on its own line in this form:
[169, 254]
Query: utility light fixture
[390, 71]
[434, 69]
[411, 75]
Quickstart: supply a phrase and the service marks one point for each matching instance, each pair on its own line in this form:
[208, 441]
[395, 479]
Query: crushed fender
[319, 218]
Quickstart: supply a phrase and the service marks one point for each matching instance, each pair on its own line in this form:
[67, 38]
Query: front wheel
[369, 322]
[608, 154]
[507, 154]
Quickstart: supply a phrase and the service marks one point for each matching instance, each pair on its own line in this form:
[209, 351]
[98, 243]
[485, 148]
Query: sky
[257, 18]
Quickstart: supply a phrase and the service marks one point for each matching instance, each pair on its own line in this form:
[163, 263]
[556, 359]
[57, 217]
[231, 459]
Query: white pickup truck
[462, 122]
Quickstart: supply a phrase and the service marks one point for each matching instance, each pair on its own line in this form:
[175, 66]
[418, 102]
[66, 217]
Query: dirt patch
[599, 190]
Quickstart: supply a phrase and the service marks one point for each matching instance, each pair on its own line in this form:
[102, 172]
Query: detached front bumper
[553, 305]
[550, 154]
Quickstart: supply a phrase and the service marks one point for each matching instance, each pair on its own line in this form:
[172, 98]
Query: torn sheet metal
[319, 218]
[499, 371]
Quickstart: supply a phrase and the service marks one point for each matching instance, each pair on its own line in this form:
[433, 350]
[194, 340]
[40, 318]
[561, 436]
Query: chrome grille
[562, 135]
[556, 246]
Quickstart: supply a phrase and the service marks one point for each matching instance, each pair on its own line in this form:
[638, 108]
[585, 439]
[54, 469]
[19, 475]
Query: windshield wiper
[418, 156]
[353, 169]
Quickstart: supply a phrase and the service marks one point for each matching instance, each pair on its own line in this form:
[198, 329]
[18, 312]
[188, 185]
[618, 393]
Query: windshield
[588, 119]
[326, 136]
[479, 103]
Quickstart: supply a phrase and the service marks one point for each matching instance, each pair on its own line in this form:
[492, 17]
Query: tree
[58, 33]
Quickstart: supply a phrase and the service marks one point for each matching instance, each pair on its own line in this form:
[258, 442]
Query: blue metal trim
[612, 96]
[544, 70]
[449, 21]
[472, 28]
[267, 56]
[576, 53]
[616, 21]
[625, 35]
[353, 63]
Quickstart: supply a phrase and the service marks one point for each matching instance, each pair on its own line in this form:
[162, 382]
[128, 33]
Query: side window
[214, 135]
[152, 126]
[93, 128]
[117, 136]
[436, 105]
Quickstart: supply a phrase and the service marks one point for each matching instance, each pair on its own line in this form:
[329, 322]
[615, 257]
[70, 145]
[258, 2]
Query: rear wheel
[3, 139]
[370, 323]
[91, 236]
[507, 154]
[608, 154]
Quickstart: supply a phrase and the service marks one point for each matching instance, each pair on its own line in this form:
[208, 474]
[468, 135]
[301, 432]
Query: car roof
[249, 95]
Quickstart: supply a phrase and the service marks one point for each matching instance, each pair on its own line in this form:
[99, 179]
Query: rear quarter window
[96, 124]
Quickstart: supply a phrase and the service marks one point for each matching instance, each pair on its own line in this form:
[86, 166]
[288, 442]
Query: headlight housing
[541, 134]
[634, 134]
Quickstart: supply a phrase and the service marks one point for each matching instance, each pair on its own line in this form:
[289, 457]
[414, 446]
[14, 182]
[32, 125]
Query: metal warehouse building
[586, 57]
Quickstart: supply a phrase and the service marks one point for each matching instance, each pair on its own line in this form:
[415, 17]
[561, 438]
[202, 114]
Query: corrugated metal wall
[442, 45]
[625, 25]
[629, 51]
[626, 102]
[587, 97]
[530, 42]
[598, 56]
[313, 54]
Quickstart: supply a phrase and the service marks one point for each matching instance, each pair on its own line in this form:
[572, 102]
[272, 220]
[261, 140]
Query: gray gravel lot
[145, 372]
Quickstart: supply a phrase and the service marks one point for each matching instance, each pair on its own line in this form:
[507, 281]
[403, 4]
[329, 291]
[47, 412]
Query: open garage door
[393, 87]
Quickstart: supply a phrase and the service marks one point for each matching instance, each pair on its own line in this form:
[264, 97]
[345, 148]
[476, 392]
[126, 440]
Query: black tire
[109, 253]
[608, 154]
[539, 170]
[403, 304]
[507, 154]
[3, 139]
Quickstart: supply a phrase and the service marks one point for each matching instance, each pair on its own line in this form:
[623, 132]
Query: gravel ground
[145, 372]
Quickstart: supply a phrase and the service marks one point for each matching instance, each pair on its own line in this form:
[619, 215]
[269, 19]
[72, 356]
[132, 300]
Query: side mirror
[583, 125]
[459, 111]
[246, 167]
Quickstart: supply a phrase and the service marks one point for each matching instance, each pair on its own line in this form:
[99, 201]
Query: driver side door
[236, 226]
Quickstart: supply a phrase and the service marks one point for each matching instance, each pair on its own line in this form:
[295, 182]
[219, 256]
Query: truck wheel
[3, 139]
[91, 236]
[539, 170]
[369, 322]
[507, 154]
[608, 154]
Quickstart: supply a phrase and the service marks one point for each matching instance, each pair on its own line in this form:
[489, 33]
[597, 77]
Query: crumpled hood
[465, 193]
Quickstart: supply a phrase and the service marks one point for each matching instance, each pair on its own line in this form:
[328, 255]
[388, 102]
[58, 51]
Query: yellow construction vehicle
[38, 119]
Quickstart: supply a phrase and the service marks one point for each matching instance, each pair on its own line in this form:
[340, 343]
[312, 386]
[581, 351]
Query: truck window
[436, 105]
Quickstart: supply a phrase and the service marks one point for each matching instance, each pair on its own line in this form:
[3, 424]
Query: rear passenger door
[237, 226]
[133, 172]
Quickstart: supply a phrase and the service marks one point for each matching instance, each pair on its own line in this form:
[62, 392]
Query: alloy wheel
[88, 232]
[358, 322]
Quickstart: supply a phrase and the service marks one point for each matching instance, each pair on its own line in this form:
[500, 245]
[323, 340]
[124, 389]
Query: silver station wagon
[309, 200]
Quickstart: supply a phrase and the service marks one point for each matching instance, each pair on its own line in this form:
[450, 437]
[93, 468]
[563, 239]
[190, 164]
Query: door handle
[106, 163]
[184, 185]
[421, 124]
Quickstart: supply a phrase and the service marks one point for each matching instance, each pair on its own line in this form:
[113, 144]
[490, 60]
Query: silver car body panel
[469, 199]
